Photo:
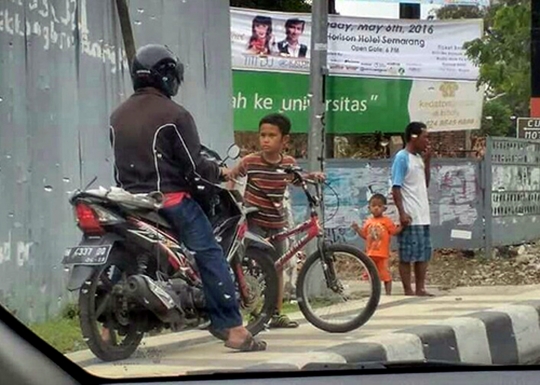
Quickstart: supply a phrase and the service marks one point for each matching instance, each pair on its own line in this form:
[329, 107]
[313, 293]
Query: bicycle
[324, 255]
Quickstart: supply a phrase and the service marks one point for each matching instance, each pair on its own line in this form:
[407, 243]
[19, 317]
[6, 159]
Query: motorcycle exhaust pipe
[149, 294]
[190, 297]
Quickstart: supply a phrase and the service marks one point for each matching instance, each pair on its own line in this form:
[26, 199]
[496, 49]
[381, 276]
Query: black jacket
[283, 47]
[156, 145]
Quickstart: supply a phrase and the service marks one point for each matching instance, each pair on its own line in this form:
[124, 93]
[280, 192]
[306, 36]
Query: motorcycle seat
[120, 196]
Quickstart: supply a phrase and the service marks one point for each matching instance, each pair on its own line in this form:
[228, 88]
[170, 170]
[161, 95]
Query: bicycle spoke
[336, 297]
[103, 305]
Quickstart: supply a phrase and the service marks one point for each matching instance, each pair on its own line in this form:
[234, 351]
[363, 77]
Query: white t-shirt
[408, 173]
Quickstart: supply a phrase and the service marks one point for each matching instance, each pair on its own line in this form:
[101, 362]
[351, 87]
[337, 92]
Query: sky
[378, 9]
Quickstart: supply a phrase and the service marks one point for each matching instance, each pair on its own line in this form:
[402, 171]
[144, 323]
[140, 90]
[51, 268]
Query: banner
[415, 49]
[357, 105]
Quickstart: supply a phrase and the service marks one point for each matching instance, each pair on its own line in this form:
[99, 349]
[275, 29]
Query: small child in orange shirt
[378, 231]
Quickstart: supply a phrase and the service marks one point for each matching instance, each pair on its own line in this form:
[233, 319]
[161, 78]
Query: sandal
[281, 321]
[250, 344]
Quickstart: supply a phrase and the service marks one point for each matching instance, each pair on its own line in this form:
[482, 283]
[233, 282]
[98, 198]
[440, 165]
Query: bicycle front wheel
[346, 296]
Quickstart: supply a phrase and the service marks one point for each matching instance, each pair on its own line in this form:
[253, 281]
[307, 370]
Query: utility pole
[535, 59]
[127, 32]
[317, 91]
[409, 10]
[330, 136]
[332, 7]
[317, 84]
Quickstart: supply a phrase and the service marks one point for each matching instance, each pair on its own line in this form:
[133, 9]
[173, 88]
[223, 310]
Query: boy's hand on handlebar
[317, 176]
[225, 173]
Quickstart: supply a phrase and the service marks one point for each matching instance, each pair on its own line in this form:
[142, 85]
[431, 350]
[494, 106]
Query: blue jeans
[195, 231]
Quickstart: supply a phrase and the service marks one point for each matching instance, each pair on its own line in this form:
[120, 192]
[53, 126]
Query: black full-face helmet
[154, 65]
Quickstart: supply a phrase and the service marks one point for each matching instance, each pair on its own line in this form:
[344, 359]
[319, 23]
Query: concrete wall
[62, 72]
[454, 194]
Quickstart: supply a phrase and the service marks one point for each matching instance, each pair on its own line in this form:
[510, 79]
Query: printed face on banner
[275, 37]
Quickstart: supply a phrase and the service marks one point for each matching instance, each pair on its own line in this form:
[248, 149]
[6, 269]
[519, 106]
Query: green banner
[356, 105]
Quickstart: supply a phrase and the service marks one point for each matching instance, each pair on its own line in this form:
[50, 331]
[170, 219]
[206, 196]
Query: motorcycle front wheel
[105, 323]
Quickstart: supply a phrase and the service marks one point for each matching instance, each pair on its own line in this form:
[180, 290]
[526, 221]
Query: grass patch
[63, 332]
[290, 307]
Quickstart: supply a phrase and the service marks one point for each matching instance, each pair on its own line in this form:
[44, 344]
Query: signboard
[357, 105]
[528, 128]
[367, 47]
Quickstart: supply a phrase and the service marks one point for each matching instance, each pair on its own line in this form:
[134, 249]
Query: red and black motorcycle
[134, 277]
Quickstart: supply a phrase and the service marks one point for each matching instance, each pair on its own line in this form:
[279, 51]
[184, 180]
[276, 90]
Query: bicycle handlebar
[297, 172]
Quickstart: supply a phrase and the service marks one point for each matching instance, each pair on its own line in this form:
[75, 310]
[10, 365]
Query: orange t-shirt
[377, 232]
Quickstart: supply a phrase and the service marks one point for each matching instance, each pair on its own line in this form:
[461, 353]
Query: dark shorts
[415, 244]
[266, 233]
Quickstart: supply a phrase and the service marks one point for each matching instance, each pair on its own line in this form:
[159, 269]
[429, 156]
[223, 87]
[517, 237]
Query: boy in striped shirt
[265, 189]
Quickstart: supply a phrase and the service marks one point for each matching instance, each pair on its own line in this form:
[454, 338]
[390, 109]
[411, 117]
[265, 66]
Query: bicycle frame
[311, 227]
[313, 230]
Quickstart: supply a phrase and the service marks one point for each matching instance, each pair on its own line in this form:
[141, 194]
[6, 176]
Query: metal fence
[512, 198]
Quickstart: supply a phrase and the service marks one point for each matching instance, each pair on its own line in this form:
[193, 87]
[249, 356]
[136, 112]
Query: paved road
[395, 312]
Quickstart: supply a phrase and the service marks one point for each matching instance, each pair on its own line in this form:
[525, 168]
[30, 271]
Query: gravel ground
[515, 265]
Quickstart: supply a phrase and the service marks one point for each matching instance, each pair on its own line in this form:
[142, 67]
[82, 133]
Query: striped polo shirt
[265, 188]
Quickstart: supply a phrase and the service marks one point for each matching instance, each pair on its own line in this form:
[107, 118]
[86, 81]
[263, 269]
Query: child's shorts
[280, 246]
[382, 268]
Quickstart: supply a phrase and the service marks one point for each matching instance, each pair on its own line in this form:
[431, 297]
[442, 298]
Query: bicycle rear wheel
[350, 301]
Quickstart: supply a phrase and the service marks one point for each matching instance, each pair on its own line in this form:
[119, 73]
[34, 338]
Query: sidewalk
[175, 341]
[402, 328]
[504, 335]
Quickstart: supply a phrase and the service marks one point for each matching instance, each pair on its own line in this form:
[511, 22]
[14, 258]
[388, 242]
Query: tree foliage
[460, 12]
[496, 119]
[503, 56]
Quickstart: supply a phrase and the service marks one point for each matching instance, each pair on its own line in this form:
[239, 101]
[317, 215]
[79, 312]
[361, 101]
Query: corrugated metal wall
[61, 75]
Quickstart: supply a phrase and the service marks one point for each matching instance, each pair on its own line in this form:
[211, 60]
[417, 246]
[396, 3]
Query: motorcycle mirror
[233, 152]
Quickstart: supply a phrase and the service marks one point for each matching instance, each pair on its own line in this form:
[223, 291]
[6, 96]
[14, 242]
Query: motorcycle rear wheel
[95, 308]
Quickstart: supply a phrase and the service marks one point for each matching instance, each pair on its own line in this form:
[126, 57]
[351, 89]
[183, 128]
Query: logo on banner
[449, 89]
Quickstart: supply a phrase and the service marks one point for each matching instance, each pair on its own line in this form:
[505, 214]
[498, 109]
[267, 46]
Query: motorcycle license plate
[87, 255]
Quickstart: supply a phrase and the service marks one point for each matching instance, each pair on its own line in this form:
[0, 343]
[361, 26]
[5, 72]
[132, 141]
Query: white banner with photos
[416, 49]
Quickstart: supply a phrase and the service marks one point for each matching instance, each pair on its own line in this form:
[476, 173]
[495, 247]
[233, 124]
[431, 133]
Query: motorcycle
[135, 277]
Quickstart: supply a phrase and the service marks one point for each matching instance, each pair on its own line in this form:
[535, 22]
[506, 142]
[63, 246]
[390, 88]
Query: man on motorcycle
[156, 148]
